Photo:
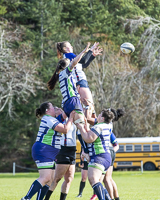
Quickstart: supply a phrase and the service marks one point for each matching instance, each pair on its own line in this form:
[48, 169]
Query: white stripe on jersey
[101, 144]
[78, 73]
[46, 133]
[67, 85]
[69, 139]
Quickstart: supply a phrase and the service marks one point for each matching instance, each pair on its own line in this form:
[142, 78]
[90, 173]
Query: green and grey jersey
[47, 134]
[101, 144]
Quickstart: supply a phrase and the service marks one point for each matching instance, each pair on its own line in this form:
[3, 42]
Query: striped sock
[107, 197]
[98, 188]
[42, 192]
[35, 187]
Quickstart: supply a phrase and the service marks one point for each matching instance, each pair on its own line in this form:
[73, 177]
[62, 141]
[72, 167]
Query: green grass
[132, 185]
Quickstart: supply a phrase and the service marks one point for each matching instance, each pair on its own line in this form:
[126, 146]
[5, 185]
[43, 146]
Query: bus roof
[138, 140]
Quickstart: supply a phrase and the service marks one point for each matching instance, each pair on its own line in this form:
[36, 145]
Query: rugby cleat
[94, 197]
[79, 196]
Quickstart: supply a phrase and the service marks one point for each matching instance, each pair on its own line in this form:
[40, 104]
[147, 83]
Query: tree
[116, 83]
[18, 69]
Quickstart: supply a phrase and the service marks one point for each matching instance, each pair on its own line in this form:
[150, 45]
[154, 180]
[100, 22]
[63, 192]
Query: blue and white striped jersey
[47, 134]
[69, 139]
[78, 72]
[101, 144]
[67, 84]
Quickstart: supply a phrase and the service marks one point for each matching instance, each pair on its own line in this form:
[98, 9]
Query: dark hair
[62, 64]
[42, 109]
[117, 113]
[108, 115]
[60, 48]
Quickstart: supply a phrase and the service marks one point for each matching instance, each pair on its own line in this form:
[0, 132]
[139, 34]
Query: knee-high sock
[81, 187]
[107, 197]
[47, 197]
[98, 188]
[42, 192]
[63, 196]
[35, 187]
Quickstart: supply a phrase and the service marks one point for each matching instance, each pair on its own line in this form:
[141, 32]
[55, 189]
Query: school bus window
[137, 147]
[121, 148]
[155, 147]
[129, 147]
[146, 147]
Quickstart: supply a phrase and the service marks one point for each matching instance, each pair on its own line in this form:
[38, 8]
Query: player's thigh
[69, 175]
[84, 174]
[60, 170]
[94, 175]
[85, 93]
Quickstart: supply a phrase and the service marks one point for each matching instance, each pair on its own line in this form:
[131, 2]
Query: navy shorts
[101, 161]
[44, 155]
[72, 104]
[82, 83]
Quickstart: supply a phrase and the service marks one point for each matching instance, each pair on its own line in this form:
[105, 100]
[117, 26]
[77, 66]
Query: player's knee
[79, 118]
[69, 179]
[57, 180]
[93, 180]
[84, 179]
[47, 178]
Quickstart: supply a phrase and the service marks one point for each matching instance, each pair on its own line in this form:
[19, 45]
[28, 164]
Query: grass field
[132, 185]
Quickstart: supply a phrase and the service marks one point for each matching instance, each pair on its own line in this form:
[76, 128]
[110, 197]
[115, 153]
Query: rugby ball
[127, 48]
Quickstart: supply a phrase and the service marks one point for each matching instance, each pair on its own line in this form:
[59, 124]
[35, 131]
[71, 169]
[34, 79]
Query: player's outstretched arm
[78, 57]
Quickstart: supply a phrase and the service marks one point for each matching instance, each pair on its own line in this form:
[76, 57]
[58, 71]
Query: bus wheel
[149, 166]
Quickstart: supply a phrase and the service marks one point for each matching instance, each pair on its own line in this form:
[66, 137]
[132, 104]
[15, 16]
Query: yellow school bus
[134, 152]
[78, 159]
[137, 151]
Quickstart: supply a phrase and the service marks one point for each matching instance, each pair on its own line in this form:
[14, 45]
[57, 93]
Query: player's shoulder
[97, 127]
[49, 118]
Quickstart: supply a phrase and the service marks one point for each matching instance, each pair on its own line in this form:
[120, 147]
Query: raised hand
[79, 125]
[87, 47]
[94, 46]
[72, 114]
[78, 57]
[97, 51]
[58, 111]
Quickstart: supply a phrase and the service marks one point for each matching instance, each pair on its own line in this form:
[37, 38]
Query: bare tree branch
[18, 70]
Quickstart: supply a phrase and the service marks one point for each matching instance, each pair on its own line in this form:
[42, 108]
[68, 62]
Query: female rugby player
[71, 100]
[98, 138]
[65, 163]
[46, 147]
[66, 49]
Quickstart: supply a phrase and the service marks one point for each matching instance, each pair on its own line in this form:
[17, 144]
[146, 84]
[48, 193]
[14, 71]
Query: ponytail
[42, 109]
[117, 113]
[53, 80]
[62, 64]
[38, 112]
